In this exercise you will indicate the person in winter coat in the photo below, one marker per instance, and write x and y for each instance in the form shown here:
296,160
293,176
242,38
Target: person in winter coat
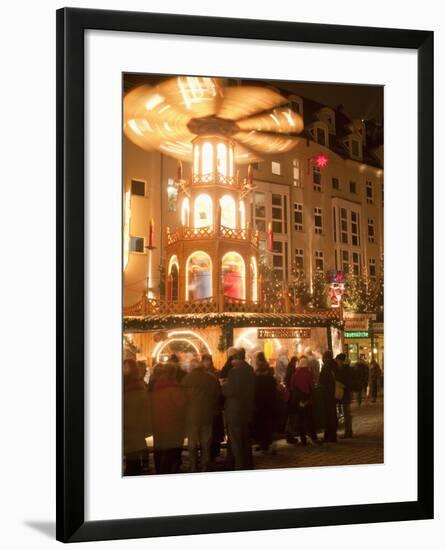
291,412
202,393
264,418
362,376
137,421
302,386
327,383
231,353
375,374
345,374
168,410
239,393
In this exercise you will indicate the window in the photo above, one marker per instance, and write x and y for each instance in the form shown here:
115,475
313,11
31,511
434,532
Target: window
254,278
198,283
318,220
299,259
344,225
356,263
345,261
355,148
278,213
276,168
352,187
242,214
316,178
185,212
372,269
138,188
296,174
203,211
371,230
298,216
228,211
196,159
173,280
334,222
295,106
321,136
207,159
278,259
233,276
172,195
221,159
319,260
369,192
335,183
355,238
137,244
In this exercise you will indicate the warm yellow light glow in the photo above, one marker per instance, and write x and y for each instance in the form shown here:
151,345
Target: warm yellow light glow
228,211
242,214
196,159
221,152
173,261
185,211
127,217
254,278
203,211
244,336
233,273
198,276
231,161
191,333
153,102
207,158
158,350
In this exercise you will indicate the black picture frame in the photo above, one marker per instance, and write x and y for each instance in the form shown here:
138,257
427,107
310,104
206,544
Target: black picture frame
71,24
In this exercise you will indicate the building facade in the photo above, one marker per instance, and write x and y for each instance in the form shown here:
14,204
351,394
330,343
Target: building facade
318,207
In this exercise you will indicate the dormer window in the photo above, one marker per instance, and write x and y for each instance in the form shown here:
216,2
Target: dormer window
354,144
296,104
355,148
321,136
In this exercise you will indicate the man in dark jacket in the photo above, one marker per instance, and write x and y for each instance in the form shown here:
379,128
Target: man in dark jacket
239,393
344,374
327,383
202,393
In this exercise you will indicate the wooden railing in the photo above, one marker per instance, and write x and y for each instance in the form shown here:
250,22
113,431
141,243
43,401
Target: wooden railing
210,232
149,306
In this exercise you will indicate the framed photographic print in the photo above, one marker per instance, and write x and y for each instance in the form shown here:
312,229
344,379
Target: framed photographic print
245,251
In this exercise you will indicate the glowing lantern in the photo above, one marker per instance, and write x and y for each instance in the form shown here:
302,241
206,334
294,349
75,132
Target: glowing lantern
269,237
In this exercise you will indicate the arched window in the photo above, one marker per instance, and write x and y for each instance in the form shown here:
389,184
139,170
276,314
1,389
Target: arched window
207,158
221,152
228,211
233,274
198,283
231,161
173,279
254,278
203,211
242,214
196,159
185,212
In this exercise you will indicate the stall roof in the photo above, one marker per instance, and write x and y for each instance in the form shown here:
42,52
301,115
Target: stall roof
151,323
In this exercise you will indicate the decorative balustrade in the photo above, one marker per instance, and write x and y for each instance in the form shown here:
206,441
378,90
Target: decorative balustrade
210,232
218,178
149,306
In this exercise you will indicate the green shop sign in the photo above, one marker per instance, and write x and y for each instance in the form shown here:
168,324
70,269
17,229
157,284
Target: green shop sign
357,334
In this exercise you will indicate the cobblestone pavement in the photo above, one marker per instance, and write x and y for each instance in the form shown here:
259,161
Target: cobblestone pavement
366,447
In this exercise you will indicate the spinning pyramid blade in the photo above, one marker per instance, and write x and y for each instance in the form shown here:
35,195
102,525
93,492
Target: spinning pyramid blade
153,122
266,143
281,120
244,101
194,96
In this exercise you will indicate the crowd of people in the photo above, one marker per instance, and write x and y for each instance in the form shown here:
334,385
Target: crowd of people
242,405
